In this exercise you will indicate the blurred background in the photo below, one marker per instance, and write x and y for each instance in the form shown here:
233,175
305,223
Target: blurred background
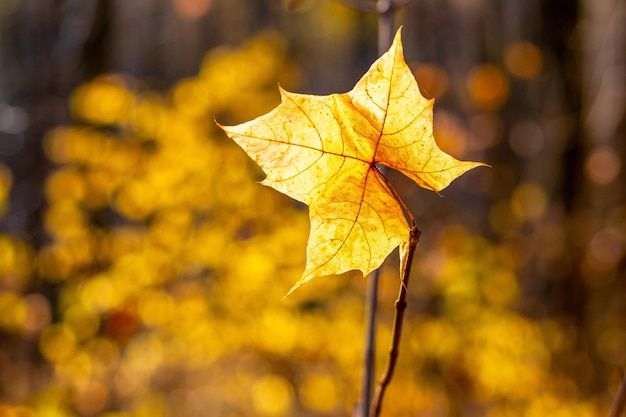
142,268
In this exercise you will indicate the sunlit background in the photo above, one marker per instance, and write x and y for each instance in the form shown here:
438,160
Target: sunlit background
142,268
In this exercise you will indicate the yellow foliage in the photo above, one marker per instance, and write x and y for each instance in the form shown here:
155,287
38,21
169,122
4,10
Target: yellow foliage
104,101
64,219
64,184
272,395
15,263
6,179
84,323
149,117
57,343
14,311
320,393
163,277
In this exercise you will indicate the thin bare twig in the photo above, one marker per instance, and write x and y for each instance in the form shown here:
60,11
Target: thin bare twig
385,34
398,319
362,5
369,354
620,399
374,6
385,10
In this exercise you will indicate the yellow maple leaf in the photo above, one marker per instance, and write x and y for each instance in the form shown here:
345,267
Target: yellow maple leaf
324,151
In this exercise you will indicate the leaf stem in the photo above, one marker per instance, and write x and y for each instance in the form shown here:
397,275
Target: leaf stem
406,260
393,191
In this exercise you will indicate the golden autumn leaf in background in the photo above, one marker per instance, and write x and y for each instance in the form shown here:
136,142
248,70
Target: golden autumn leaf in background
324,151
